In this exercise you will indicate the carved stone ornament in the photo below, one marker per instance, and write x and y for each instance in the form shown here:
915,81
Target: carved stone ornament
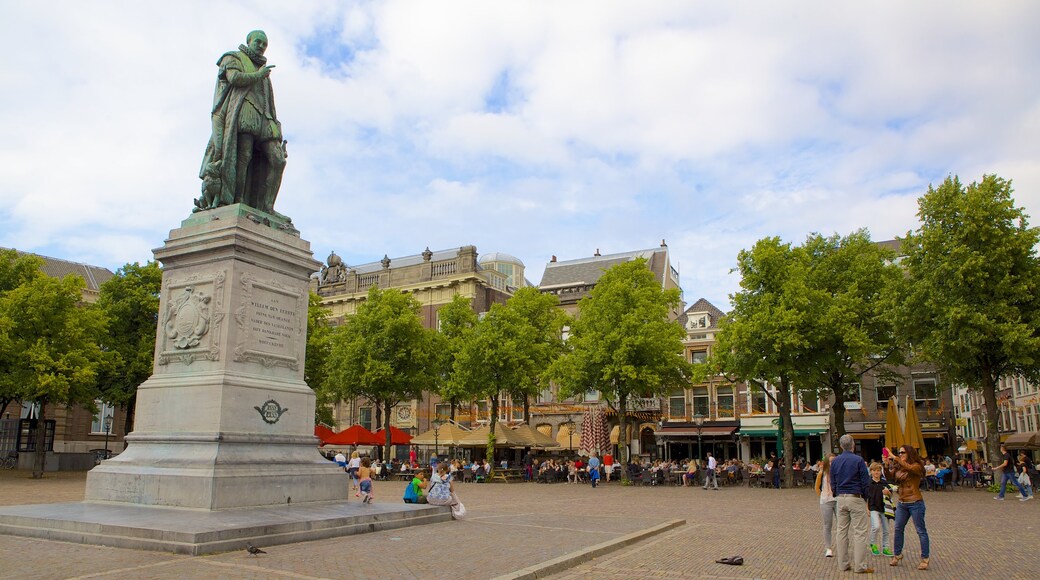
193,317
271,411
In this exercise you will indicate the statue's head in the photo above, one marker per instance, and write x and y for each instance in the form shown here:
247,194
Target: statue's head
257,40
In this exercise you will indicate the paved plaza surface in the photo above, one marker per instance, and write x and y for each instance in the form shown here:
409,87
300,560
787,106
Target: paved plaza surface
517,525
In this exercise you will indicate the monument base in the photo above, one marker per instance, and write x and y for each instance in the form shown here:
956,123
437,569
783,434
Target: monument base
197,532
226,420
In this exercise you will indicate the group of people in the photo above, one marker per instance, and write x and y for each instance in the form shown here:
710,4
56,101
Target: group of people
864,499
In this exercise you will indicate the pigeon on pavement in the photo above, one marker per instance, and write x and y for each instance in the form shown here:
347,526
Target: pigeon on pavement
254,550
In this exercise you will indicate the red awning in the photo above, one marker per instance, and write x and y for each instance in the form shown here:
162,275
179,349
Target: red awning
323,433
397,436
709,431
353,435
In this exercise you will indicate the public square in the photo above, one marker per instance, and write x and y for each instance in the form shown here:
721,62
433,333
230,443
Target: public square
512,526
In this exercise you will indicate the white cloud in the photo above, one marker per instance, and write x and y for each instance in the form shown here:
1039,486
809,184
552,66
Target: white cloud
530,128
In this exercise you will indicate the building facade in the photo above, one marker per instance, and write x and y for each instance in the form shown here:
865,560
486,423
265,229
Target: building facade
432,278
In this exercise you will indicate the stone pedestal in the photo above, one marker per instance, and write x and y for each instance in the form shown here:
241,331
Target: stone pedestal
226,420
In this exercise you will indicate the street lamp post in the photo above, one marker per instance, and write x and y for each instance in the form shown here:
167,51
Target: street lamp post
108,431
436,437
698,420
570,433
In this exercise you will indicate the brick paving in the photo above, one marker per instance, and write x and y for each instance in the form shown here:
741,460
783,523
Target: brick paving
512,526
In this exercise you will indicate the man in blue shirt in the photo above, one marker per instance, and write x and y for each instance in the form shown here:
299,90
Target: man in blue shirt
593,467
850,480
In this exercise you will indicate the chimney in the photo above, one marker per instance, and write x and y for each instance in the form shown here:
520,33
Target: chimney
597,252
553,260
663,245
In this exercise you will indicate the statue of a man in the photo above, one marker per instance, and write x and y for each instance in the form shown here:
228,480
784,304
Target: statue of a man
246,148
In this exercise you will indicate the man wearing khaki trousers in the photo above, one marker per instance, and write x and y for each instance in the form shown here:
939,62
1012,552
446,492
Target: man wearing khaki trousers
850,480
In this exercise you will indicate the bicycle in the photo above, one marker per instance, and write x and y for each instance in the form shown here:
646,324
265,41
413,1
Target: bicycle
11,461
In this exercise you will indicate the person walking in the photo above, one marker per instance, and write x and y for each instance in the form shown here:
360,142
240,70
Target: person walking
1008,473
593,469
352,469
710,475
608,465
907,471
774,467
1025,470
850,481
828,504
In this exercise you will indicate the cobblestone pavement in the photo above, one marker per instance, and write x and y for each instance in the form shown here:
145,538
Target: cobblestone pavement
512,526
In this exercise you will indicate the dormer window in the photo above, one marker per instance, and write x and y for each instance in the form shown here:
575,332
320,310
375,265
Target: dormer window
701,320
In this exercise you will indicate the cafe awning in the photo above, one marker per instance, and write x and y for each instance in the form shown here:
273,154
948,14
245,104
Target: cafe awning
707,431
760,432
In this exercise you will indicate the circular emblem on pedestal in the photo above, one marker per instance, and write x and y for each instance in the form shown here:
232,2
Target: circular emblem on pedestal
271,411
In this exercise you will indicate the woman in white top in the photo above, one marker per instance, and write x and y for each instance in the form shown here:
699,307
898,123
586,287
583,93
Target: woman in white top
828,503
352,469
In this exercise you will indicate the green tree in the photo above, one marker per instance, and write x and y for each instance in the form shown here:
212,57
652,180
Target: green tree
51,352
971,302
457,321
384,354
763,337
130,302
15,270
495,357
545,322
622,343
315,368
850,285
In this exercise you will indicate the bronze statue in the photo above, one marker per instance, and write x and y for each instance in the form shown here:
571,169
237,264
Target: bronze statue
246,153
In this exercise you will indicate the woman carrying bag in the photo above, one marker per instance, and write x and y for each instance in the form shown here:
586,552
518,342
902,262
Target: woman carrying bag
442,492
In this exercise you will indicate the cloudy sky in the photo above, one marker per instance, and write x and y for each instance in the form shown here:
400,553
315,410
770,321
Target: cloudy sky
531,128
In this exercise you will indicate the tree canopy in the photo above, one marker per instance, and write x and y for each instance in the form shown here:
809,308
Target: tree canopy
971,302
622,342
130,302
315,369
49,349
384,353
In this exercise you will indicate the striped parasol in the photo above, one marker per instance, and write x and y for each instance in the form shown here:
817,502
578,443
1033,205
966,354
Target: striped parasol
601,430
588,439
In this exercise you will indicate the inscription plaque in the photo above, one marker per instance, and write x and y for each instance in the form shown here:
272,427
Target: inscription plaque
271,321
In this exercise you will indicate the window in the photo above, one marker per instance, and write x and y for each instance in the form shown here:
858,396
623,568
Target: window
758,400
925,390
677,405
545,396
30,410
700,401
97,425
884,393
504,407
443,412
698,356
853,396
810,402
481,412
724,396
365,417
591,396
518,410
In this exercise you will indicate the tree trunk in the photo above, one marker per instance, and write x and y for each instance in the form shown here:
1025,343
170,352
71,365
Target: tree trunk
386,426
131,407
787,425
989,395
491,434
40,454
527,410
623,448
839,413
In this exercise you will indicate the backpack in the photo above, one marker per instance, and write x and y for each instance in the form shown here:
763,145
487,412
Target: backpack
410,496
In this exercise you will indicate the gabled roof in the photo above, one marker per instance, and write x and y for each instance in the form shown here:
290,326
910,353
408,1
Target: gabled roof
587,271
94,276
702,305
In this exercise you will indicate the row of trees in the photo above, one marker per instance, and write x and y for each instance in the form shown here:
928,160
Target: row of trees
813,319
56,350
621,344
